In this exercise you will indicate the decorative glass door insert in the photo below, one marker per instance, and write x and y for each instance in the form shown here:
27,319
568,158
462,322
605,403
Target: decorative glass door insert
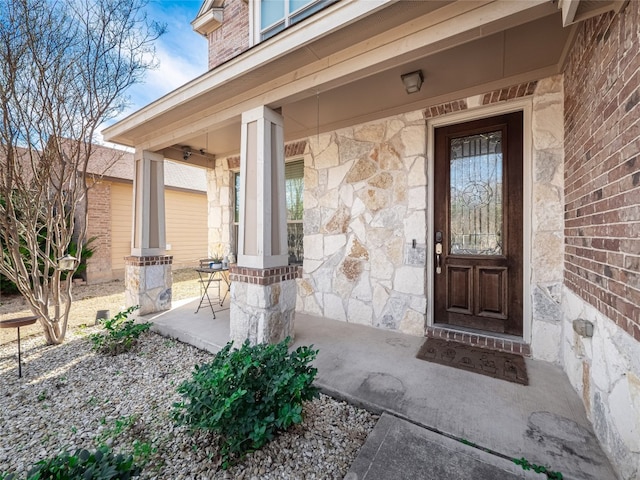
476,194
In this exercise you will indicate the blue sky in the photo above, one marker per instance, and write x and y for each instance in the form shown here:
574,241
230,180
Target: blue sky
181,51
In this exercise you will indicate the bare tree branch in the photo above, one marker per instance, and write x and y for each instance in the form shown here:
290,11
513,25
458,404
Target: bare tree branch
65,66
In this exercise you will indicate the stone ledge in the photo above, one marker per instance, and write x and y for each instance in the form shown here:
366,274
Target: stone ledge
264,276
149,261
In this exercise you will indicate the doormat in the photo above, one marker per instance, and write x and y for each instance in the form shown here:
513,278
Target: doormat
505,366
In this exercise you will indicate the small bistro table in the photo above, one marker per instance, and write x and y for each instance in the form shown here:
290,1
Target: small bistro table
17,323
207,276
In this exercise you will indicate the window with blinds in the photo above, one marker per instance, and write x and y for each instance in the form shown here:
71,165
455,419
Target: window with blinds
294,191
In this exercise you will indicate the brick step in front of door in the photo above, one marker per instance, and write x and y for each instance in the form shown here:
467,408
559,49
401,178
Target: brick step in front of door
479,340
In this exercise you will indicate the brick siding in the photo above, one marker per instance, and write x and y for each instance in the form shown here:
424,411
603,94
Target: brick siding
501,95
444,108
232,37
509,93
482,341
295,148
149,261
99,226
264,276
602,167
292,149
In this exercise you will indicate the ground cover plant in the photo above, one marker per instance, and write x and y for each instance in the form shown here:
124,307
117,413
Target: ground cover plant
72,398
100,464
248,395
120,333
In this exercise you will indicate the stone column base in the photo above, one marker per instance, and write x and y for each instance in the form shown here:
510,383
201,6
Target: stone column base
263,304
148,283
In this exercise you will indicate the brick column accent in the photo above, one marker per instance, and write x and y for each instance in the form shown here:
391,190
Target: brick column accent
148,282
263,303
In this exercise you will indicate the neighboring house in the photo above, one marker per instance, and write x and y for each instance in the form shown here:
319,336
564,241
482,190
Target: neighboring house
110,213
470,171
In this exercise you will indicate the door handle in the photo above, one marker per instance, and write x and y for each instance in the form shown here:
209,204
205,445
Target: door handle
438,252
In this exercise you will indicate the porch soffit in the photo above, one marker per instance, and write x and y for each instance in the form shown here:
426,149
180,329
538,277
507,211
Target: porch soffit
457,44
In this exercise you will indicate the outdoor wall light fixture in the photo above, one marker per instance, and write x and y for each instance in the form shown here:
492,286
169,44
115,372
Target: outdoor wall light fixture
412,81
67,263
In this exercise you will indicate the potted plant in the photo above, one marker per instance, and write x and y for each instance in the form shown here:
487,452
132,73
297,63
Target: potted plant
215,262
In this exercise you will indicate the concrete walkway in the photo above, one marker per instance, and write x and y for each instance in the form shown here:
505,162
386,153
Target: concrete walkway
544,422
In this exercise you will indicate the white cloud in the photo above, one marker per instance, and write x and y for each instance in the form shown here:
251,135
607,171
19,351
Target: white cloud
181,53
173,72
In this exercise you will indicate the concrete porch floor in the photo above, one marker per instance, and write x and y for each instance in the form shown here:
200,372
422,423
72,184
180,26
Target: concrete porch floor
544,422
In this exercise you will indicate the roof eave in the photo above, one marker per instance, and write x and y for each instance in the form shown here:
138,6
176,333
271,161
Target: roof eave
265,52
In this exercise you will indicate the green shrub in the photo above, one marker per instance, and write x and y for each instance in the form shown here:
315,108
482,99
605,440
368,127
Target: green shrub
101,464
247,395
120,335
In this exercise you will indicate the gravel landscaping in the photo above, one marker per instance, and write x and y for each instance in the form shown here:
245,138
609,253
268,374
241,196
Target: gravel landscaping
70,397
88,299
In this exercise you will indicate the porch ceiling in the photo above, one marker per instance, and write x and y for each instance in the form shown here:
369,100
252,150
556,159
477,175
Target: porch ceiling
352,74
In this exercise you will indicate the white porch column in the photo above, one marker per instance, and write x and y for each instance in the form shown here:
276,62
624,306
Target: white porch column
263,222
263,288
148,269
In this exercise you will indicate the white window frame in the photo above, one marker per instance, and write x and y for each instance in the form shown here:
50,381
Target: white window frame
256,33
235,224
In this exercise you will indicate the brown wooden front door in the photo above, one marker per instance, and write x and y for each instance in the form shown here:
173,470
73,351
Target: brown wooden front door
478,224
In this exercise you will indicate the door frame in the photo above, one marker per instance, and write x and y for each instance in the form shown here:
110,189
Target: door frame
526,106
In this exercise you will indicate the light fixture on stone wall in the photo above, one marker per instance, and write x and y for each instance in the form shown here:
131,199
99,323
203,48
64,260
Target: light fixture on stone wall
412,81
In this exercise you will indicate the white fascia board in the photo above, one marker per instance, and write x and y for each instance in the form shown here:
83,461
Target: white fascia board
325,21
573,11
460,22
455,23
569,9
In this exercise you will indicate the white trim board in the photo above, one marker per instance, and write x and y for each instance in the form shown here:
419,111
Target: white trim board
526,106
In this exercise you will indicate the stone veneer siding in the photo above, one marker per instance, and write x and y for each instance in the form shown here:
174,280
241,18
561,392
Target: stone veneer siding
148,283
262,304
546,218
366,200
232,37
220,207
365,203
602,229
